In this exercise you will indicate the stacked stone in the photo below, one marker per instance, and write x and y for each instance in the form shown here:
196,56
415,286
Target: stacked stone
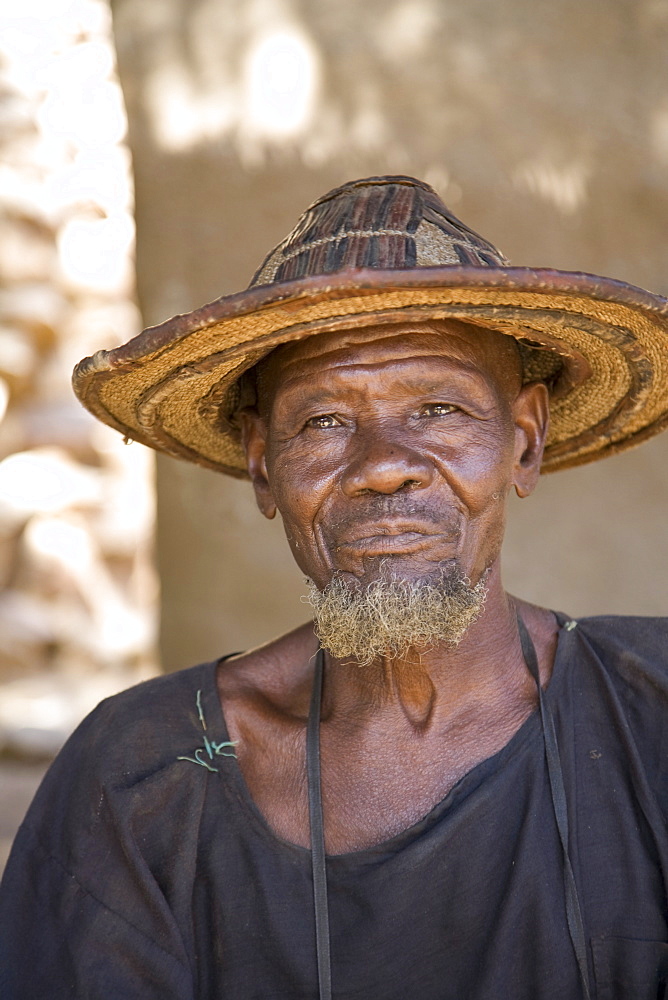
77,587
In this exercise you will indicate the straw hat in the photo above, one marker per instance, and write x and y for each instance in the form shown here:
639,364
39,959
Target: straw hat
387,250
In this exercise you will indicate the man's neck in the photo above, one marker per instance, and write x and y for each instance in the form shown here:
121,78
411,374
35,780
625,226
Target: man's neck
431,687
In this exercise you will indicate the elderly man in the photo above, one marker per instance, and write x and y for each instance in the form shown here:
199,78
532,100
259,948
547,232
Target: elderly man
439,791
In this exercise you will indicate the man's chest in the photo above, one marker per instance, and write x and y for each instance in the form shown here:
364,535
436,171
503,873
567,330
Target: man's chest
467,901
374,786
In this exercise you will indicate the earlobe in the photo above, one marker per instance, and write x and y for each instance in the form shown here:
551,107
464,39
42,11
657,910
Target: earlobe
253,438
531,414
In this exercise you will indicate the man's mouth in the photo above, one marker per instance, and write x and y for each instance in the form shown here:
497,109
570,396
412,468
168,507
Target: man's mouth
391,537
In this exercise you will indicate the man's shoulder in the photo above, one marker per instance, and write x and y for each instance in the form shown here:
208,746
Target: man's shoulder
278,674
146,728
634,647
149,724
134,755
621,681
137,732
641,632
165,700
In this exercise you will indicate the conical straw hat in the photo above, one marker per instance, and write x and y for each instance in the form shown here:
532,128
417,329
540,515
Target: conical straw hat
387,250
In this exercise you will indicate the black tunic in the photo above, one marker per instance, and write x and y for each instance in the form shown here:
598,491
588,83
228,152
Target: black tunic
140,874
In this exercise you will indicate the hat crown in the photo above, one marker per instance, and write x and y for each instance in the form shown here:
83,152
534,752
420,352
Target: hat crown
379,222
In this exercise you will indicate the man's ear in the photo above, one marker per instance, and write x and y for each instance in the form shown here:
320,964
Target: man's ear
531,414
253,439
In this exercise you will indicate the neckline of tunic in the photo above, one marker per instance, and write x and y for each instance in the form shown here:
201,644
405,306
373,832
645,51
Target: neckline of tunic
529,731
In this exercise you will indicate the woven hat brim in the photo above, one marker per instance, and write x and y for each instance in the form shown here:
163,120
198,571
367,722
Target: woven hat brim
166,387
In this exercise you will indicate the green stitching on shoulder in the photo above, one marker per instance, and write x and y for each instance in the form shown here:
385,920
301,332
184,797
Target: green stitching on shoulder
211,749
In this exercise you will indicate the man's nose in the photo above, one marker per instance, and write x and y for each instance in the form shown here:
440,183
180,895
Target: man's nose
386,466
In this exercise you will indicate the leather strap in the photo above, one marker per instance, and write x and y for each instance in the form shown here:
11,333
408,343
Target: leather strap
558,791
318,862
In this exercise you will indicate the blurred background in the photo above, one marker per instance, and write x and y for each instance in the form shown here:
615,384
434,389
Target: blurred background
153,151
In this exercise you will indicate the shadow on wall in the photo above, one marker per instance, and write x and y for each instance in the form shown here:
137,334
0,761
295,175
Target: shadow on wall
518,114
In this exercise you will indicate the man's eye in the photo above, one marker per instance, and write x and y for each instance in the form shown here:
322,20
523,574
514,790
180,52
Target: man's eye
323,421
438,409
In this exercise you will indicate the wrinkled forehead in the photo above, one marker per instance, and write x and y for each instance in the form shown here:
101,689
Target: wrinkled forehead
494,354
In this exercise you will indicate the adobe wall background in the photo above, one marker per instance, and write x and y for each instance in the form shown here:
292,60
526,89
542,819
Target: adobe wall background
543,126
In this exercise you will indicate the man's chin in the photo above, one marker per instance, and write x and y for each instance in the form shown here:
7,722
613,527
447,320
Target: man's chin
416,562
404,567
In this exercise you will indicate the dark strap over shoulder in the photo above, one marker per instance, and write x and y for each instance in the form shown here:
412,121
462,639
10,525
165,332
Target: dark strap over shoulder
318,834
556,778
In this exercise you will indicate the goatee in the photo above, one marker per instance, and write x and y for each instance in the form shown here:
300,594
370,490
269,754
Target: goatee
389,616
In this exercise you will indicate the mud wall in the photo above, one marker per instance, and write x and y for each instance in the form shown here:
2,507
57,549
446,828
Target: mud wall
543,126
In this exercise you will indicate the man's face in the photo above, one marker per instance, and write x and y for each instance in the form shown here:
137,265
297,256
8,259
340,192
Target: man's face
394,447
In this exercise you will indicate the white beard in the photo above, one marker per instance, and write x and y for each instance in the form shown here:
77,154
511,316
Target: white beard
389,616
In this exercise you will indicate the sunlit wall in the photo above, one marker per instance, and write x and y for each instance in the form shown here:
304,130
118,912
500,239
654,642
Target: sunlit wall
543,126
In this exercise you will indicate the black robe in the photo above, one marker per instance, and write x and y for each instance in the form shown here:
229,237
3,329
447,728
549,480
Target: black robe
144,869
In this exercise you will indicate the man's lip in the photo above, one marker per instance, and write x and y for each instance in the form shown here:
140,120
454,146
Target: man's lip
391,537
386,529
404,541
